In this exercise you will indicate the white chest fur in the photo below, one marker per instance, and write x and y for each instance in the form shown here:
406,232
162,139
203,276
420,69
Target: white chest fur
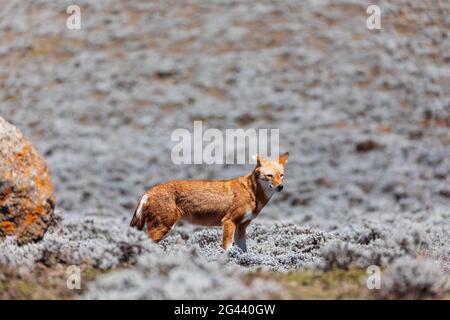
268,193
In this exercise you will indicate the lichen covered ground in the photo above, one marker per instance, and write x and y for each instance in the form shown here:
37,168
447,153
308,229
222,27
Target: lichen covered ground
364,114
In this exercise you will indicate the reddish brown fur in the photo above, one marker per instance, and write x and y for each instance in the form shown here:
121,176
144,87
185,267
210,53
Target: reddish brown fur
230,203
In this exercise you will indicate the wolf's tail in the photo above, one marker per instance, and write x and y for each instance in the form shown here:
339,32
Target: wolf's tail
138,220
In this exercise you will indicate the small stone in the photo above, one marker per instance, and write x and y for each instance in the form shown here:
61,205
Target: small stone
367,145
445,193
27,200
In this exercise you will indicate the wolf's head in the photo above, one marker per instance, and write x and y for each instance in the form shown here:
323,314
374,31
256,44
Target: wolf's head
271,172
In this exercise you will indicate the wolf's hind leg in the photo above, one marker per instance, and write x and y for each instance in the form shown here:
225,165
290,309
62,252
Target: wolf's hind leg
159,232
159,227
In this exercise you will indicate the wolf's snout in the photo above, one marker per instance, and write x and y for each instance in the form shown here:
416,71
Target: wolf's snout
280,187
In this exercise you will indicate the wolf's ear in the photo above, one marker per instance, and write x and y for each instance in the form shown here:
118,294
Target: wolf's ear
283,158
259,159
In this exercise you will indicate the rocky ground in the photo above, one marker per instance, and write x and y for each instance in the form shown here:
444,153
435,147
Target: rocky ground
365,116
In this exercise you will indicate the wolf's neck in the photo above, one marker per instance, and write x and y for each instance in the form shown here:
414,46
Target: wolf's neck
261,190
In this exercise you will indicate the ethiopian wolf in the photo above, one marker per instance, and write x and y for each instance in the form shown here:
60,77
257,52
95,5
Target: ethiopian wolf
232,203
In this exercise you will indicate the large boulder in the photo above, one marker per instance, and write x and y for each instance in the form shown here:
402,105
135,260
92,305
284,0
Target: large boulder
27,200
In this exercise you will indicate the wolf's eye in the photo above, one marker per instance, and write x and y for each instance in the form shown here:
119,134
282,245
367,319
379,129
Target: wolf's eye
281,175
270,176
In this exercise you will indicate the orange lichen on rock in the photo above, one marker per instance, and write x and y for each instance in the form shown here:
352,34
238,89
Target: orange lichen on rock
8,227
27,200
30,219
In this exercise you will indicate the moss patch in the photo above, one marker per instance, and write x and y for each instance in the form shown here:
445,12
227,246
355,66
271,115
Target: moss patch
43,283
333,284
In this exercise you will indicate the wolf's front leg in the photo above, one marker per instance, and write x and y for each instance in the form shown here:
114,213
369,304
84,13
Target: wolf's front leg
229,227
240,237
